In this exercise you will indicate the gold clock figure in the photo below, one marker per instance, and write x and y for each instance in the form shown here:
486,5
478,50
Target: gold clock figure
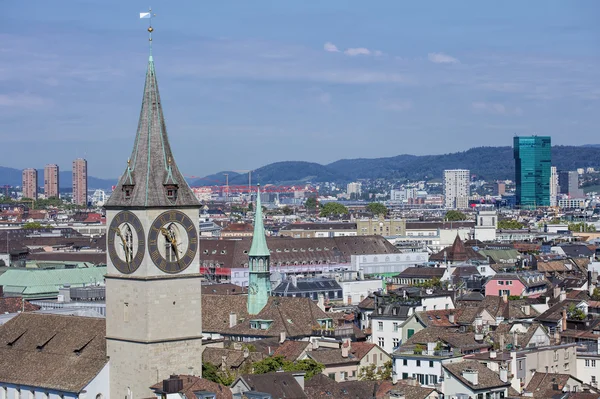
173,241
126,242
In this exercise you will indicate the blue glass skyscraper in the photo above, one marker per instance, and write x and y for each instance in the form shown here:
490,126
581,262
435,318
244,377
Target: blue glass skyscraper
532,170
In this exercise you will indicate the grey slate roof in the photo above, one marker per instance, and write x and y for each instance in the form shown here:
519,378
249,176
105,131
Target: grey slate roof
151,164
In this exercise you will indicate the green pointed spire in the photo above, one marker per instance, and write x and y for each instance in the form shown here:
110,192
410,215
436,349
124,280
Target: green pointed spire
259,241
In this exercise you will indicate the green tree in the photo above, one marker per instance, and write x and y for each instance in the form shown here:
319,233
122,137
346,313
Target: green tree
596,294
311,203
212,373
269,364
453,216
509,225
377,208
276,363
287,210
51,202
309,366
368,373
582,227
574,313
385,372
333,209
33,226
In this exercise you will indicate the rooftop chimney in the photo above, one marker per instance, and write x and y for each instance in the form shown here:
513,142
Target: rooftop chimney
282,337
345,348
451,318
321,302
503,374
173,384
394,377
493,354
232,319
526,310
590,282
471,375
564,320
563,296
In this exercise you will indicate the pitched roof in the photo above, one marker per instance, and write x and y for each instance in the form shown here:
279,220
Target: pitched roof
216,310
542,385
320,226
329,357
367,303
292,350
486,377
554,313
234,253
151,165
422,272
462,341
15,304
230,358
278,384
192,383
457,252
51,351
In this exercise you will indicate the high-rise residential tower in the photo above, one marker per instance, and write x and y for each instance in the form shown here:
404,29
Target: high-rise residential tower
30,183
456,188
553,186
80,182
568,183
51,181
532,170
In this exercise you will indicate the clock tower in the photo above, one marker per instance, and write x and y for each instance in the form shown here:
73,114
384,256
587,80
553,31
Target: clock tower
153,302
259,284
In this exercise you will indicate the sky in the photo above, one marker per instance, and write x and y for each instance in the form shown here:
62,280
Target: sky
246,83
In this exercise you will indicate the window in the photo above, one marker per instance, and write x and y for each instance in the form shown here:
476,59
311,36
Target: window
395,342
331,375
593,363
418,363
500,282
566,354
410,332
380,326
432,379
431,363
395,327
381,341
520,365
343,375
566,366
587,362
593,379
405,376
555,356
405,362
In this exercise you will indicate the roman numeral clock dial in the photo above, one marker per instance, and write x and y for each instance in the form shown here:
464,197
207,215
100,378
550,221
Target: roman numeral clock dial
126,242
172,241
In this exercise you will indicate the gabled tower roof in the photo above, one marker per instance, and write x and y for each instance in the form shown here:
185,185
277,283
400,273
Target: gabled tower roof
259,242
151,169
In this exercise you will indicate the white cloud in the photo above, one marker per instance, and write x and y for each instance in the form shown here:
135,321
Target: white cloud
357,51
20,100
441,58
495,108
401,105
332,48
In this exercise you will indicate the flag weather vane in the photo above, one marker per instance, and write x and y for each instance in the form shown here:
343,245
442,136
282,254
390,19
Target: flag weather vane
149,15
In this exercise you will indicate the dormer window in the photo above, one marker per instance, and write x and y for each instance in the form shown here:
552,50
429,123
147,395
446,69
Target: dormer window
127,190
171,190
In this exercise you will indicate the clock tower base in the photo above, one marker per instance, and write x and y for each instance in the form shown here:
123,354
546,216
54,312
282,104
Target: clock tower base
153,330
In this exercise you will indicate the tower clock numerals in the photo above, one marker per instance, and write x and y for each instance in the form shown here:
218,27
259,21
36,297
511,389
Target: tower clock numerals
126,243
173,241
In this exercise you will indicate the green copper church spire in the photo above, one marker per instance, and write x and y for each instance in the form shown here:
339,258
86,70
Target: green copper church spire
259,260
259,241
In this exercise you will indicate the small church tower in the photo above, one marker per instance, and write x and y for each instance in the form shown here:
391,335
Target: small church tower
259,287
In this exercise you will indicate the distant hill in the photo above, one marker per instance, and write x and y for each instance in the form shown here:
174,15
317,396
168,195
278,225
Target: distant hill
489,163
14,177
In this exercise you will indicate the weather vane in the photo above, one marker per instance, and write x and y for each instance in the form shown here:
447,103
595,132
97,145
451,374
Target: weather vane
149,15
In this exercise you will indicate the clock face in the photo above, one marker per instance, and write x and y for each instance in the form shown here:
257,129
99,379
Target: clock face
126,242
173,241
253,288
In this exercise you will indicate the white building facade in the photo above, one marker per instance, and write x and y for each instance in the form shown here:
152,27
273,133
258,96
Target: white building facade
456,188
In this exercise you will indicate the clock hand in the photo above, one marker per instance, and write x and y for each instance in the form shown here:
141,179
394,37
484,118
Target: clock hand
125,248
